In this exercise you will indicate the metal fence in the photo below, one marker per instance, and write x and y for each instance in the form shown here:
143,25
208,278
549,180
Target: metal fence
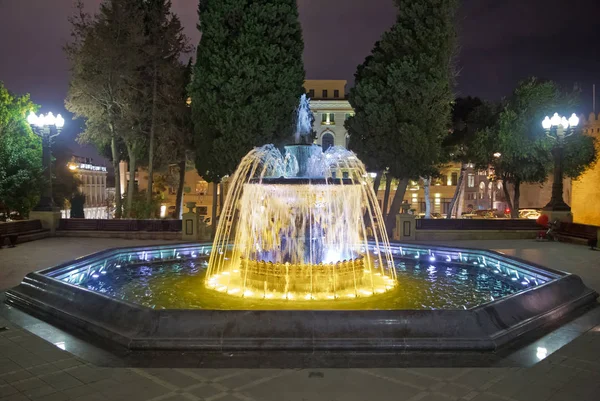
119,225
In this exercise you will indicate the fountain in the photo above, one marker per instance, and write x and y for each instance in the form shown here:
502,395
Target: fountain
292,267
293,228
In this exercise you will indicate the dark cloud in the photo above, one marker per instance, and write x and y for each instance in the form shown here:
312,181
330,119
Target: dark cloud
501,42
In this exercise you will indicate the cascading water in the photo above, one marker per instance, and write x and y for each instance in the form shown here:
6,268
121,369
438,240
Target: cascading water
293,227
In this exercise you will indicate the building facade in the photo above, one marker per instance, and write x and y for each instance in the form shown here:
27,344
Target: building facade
331,108
93,186
585,203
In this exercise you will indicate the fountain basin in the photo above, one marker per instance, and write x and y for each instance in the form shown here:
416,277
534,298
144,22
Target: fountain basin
64,296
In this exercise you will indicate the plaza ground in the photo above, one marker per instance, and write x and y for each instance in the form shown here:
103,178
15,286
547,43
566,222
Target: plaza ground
40,362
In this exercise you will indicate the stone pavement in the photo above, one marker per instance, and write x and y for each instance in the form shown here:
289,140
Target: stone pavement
34,369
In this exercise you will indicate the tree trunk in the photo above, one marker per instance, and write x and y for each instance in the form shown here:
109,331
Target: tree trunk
463,169
386,196
180,186
427,190
390,220
213,218
151,144
506,193
116,162
514,211
131,186
377,182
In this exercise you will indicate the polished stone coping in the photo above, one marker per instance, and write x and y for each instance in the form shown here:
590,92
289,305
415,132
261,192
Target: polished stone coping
485,327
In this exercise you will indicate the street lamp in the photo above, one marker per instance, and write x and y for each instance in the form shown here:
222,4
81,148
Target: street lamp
47,127
558,128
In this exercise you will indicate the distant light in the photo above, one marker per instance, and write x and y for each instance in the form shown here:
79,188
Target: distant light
373,175
574,120
72,167
432,258
163,211
498,154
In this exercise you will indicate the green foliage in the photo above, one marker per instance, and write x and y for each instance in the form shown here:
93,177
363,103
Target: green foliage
579,154
403,91
247,82
140,207
77,206
21,169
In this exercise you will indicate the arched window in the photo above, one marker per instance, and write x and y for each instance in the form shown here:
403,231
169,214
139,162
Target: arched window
327,141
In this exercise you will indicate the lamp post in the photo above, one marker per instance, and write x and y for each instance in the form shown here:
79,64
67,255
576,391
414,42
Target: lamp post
47,127
558,128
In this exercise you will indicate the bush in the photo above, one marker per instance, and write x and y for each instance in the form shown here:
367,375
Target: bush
77,204
140,208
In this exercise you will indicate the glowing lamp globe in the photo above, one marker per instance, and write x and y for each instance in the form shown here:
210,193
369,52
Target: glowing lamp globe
32,118
60,122
574,120
547,124
555,120
564,122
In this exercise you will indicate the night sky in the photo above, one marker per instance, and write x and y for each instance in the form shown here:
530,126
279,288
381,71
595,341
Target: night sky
501,42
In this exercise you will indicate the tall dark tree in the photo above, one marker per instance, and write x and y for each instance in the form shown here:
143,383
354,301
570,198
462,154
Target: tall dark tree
247,82
106,60
403,94
164,44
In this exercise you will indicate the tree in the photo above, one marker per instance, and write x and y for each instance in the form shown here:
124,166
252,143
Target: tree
519,137
21,169
403,95
247,81
106,60
165,43
470,116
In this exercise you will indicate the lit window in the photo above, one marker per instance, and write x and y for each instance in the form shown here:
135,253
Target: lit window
328,119
471,181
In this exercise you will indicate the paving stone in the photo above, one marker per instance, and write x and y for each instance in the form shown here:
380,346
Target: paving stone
7,390
67,363
406,376
61,381
173,377
58,396
248,377
206,391
29,384
16,376
452,390
38,392
8,366
16,397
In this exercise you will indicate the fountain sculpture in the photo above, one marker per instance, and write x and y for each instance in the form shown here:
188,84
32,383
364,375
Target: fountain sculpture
294,225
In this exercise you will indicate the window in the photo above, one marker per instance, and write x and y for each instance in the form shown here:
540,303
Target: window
311,93
324,93
454,179
328,119
327,141
202,210
444,179
471,181
336,93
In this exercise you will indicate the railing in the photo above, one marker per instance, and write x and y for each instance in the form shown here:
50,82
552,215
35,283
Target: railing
119,225
476,224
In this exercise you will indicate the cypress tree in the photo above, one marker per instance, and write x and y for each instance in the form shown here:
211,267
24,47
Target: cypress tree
403,95
247,81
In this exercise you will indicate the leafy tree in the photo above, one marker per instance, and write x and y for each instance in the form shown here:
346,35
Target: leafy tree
526,152
247,81
403,95
470,116
21,169
106,84
77,206
164,44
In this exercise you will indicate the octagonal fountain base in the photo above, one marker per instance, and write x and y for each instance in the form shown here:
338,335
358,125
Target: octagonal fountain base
49,295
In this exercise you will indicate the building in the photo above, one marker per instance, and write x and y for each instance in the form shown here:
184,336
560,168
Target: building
331,109
93,186
585,198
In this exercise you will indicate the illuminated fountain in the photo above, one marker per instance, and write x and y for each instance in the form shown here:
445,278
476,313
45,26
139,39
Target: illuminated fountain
293,226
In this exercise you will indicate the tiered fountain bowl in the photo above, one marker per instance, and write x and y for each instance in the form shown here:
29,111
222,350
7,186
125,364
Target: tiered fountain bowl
293,267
